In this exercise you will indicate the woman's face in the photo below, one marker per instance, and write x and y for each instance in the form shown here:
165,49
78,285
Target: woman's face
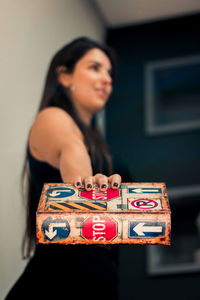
92,81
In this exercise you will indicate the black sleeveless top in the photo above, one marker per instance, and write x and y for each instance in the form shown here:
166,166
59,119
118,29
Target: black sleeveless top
42,172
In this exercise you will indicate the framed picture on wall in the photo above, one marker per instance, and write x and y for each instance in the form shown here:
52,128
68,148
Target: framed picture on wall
172,95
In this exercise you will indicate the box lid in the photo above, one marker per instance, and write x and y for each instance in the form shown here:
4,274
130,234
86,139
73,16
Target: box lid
130,197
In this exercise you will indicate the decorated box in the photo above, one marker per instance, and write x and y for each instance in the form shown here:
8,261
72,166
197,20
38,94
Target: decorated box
136,213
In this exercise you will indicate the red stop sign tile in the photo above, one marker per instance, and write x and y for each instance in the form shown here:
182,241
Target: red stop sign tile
99,228
97,195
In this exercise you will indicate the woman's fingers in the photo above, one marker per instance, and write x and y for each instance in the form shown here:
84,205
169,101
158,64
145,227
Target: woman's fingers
88,181
78,182
100,179
115,181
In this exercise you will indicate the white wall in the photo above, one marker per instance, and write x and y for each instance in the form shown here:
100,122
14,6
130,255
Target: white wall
30,33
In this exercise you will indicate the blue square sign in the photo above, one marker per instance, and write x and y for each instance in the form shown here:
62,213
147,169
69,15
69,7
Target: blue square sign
146,229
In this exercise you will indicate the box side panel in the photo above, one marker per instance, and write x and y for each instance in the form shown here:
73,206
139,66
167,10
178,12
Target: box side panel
103,228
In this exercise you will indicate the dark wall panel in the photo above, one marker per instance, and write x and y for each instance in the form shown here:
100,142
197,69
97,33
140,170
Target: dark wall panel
173,158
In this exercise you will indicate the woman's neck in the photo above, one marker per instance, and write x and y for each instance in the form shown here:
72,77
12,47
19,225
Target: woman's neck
85,116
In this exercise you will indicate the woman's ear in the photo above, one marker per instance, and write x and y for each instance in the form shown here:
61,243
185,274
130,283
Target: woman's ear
64,78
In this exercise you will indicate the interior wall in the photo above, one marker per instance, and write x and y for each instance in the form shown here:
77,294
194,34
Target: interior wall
30,33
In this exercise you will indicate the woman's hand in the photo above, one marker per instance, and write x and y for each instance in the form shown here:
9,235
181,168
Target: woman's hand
100,179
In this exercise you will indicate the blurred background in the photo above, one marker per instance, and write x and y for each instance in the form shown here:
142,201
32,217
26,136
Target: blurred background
152,121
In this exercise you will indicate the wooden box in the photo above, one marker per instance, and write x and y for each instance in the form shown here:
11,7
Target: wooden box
136,213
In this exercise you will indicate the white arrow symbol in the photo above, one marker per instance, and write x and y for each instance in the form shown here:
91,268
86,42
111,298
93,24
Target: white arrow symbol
140,228
145,190
52,233
54,194
57,192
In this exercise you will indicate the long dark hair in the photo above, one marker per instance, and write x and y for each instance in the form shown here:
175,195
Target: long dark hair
54,94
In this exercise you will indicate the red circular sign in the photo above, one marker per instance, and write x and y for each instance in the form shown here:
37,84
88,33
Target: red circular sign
144,203
99,228
97,195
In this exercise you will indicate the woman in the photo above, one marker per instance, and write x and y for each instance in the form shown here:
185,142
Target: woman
64,146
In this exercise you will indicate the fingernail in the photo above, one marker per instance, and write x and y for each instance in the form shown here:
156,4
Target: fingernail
89,186
115,184
78,183
103,186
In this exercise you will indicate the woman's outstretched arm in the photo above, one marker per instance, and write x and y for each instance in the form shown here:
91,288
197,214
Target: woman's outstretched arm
56,139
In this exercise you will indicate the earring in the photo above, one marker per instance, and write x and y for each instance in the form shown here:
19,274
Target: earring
72,88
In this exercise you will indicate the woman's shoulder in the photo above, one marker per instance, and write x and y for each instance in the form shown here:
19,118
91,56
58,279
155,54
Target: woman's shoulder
51,129
54,113
55,116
